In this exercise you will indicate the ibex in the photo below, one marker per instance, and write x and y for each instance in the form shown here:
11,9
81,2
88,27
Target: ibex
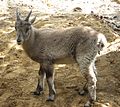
54,46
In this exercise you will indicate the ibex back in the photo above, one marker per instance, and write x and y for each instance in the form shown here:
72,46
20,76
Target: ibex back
50,46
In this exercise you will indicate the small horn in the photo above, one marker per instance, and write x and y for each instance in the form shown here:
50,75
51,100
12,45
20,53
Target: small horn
17,14
27,18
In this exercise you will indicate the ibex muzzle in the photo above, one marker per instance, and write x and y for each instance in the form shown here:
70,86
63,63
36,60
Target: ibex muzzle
51,46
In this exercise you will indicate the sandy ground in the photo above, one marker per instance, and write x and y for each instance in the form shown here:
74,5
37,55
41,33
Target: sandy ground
18,73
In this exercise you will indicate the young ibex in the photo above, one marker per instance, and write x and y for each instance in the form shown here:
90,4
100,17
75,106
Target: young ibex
50,46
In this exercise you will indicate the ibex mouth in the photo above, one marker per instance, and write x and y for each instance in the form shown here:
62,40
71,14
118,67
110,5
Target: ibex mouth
19,43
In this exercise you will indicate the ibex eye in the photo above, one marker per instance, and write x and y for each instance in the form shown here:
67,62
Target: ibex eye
15,28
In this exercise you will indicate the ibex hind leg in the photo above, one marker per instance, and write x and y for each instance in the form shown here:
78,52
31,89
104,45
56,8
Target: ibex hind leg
41,79
91,78
84,91
87,69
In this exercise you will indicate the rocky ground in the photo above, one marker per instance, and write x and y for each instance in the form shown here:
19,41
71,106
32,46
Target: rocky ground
18,73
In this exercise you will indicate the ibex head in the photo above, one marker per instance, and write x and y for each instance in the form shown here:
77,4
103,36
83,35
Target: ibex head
23,27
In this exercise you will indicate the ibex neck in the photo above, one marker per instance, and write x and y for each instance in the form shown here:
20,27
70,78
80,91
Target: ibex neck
28,44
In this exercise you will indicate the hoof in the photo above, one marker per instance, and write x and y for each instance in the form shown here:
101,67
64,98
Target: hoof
51,98
83,92
37,93
88,104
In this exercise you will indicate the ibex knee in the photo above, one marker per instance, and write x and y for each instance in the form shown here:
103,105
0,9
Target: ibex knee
47,69
92,80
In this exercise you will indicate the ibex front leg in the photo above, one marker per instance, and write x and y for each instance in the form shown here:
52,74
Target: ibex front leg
41,79
50,81
46,70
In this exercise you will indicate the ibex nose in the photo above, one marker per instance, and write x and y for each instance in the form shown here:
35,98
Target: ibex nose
18,41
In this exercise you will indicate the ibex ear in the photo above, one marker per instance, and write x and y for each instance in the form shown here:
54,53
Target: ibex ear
33,20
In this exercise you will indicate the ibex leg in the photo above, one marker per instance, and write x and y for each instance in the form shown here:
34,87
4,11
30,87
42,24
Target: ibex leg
86,63
50,81
41,79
